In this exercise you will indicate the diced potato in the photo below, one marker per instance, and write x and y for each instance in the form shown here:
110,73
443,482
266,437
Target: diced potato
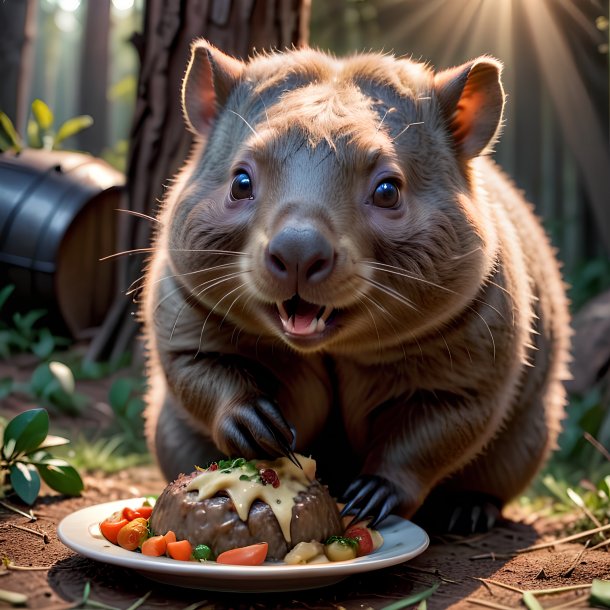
339,551
304,552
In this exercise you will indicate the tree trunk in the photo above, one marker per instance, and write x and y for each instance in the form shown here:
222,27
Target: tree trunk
159,140
17,25
93,82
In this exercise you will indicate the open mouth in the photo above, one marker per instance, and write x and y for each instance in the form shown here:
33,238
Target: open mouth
300,317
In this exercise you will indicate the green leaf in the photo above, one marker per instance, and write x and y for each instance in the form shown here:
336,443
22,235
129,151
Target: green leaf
33,134
6,386
64,375
119,394
42,114
60,476
600,592
71,127
5,293
45,345
53,441
43,381
9,131
27,430
25,323
25,481
412,599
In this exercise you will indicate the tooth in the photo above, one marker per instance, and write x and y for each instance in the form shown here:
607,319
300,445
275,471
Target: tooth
282,310
320,325
326,314
312,326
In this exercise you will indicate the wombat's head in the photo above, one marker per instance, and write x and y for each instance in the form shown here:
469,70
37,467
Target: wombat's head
333,204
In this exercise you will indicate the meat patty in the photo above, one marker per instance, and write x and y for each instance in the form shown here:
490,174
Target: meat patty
215,522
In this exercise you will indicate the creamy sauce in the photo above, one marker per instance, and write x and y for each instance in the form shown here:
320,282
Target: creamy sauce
244,492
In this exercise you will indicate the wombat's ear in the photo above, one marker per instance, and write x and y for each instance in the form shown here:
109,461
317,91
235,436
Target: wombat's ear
471,99
210,76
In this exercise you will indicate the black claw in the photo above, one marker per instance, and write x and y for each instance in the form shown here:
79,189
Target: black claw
269,412
370,496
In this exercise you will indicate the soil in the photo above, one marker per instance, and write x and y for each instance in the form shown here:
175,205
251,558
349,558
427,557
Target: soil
59,575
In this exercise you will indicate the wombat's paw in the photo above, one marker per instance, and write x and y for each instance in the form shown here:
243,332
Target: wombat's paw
256,429
462,514
370,496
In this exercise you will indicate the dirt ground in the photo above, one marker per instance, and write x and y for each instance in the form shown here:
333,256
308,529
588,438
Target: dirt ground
59,576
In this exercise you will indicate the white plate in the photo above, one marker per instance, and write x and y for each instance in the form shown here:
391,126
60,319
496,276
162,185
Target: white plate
402,541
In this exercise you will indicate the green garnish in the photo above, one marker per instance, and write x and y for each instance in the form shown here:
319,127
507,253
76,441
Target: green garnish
343,540
202,552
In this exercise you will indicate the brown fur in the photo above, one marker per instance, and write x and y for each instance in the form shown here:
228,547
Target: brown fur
445,365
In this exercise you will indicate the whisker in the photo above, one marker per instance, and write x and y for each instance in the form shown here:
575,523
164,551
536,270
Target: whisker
211,312
167,277
383,118
193,297
390,292
138,214
363,304
448,350
154,249
389,322
405,129
231,305
246,122
402,273
125,252
385,268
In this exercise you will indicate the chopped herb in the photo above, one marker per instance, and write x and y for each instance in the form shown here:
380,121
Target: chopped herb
343,540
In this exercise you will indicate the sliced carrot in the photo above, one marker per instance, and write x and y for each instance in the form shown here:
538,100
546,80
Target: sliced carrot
154,547
133,534
170,537
111,526
252,555
180,550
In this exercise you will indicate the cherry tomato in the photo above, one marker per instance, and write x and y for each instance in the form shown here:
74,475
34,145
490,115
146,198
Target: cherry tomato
134,513
111,526
252,555
364,538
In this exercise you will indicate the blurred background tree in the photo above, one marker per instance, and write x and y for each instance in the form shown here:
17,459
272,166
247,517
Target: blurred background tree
122,62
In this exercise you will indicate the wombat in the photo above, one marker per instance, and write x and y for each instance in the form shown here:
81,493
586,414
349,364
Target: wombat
339,269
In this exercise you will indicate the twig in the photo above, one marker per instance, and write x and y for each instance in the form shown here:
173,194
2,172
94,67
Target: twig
546,545
8,506
11,566
577,601
488,604
600,545
433,572
597,445
139,602
43,535
573,565
499,584
13,598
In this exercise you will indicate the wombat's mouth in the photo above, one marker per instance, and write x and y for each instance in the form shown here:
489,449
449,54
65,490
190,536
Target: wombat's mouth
300,317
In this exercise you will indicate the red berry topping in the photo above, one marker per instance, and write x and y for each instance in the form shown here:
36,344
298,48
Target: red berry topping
269,477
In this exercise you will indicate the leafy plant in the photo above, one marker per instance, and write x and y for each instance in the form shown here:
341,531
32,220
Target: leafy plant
41,132
125,398
23,334
24,459
53,383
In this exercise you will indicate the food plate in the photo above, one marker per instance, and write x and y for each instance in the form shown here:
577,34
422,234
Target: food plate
79,531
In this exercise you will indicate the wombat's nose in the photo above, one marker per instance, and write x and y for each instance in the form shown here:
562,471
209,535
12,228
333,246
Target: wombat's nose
300,255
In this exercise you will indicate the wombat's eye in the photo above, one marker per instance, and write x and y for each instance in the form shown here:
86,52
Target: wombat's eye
386,194
241,187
